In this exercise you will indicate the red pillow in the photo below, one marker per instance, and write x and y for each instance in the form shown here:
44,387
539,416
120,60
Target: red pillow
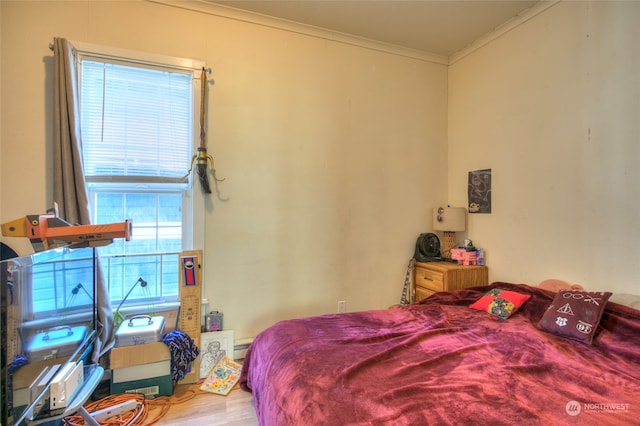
501,303
575,314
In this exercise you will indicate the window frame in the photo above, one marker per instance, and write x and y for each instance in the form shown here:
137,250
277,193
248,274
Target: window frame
192,205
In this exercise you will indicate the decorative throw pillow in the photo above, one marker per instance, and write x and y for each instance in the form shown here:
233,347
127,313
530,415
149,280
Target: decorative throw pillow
575,314
501,303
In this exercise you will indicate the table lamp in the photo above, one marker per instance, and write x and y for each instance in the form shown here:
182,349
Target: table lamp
449,220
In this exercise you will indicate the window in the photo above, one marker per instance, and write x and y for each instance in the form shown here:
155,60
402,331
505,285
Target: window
138,135
53,285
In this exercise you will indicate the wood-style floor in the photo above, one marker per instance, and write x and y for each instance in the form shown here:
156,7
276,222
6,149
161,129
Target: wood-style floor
207,409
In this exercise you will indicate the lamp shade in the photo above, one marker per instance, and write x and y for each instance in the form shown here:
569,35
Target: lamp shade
449,219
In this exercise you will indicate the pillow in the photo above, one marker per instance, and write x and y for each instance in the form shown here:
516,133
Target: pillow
501,303
555,285
575,314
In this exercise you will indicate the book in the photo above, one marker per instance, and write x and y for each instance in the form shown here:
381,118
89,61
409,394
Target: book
222,377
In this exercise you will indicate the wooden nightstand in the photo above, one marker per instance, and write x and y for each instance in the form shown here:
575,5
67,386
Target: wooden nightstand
431,277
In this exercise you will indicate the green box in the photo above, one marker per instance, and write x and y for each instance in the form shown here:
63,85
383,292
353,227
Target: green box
150,387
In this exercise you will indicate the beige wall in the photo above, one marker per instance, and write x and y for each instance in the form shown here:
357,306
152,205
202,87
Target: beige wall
333,154
0,109
553,108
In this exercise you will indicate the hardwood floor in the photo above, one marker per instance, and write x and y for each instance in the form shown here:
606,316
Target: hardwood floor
207,409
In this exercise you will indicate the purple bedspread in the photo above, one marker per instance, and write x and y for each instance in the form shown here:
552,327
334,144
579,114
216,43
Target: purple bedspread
441,363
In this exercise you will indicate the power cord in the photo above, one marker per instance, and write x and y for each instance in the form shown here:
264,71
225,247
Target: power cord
138,416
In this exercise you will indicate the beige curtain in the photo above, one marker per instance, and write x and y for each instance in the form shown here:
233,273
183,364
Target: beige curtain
69,187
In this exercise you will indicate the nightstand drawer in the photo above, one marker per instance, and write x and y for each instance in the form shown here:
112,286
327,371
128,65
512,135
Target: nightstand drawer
431,277
432,280
423,293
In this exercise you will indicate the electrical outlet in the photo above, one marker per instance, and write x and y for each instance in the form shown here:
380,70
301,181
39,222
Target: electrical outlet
342,306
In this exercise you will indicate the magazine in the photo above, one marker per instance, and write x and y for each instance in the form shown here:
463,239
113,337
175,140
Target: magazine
223,376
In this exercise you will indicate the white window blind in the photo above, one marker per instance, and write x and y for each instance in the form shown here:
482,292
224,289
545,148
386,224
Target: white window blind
136,123
138,135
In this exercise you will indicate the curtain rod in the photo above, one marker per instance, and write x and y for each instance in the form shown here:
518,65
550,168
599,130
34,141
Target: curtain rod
207,70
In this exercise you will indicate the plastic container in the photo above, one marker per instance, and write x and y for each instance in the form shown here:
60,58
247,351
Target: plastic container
139,330
480,257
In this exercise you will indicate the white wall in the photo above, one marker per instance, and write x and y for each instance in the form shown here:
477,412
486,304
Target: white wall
553,108
333,154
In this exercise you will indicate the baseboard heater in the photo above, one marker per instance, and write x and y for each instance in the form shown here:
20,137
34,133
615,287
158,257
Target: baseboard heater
240,348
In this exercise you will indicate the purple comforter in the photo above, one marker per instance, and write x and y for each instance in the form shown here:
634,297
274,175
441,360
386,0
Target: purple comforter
440,362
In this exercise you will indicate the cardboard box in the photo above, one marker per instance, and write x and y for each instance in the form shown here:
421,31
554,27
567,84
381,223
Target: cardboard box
147,353
139,372
150,387
142,369
26,374
21,398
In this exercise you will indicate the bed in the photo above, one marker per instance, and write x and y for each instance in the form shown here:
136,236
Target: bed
441,362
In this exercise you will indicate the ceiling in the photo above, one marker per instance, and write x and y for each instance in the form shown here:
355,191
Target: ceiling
440,27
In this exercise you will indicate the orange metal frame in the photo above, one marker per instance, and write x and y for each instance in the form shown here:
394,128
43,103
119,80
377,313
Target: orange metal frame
48,230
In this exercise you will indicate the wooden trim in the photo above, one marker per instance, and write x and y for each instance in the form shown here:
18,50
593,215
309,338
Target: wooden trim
298,28
518,20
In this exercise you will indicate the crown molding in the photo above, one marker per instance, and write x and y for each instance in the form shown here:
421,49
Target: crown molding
516,21
203,6
211,8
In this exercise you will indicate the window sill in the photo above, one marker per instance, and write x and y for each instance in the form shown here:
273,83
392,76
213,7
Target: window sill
84,317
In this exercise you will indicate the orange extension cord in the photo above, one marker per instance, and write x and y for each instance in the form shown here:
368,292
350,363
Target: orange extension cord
138,416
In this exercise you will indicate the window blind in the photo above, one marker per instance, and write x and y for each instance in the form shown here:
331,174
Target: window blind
136,123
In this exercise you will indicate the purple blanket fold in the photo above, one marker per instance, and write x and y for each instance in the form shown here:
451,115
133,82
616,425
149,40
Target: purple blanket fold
441,362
